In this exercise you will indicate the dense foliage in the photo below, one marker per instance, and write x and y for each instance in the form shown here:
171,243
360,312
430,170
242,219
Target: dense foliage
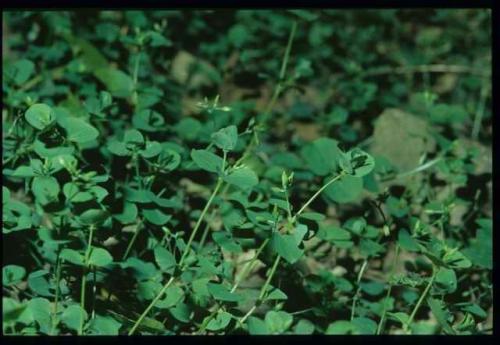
254,172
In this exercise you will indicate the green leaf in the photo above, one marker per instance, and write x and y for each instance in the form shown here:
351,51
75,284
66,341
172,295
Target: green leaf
78,130
222,293
335,235
340,327
72,256
72,316
256,326
357,162
104,325
12,311
152,149
286,246
446,280
117,82
164,259
181,312
276,294
440,314
100,257
406,241
94,217
129,213
347,189
12,274
46,189
243,178
456,259
226,241
40,310
226,138
40,116
480,251
5,195
38,283
278,322
304,327
155,216
20,71
220,321
322,156
134,137
173,296
364,325
206,160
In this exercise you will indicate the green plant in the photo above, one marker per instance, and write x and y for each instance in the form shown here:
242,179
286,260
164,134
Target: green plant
331,181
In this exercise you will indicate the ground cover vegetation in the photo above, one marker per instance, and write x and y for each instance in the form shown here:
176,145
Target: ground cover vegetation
247,172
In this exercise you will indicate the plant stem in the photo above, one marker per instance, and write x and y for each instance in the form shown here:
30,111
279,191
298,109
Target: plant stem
318,192
420,300
143,315
276,94
480,111
84,279
200,220
262,291
249,266
356,295
56,302
132,241
389,290
242,276
284,63
183,257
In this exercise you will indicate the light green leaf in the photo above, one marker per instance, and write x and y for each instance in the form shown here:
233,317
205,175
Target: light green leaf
220,321
206,160
286,246
164,259
78,130
226,138
117,82
256,326
156,216
72,256
322,156
278,322
347,189
222,293
440,314
40,116
243,178
100,257
12,274
72,316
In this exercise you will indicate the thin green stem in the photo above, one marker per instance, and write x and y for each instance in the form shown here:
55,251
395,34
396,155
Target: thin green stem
155,300
84,279
132,241
248,267
358,290
420,300
200,220
183,257
276,94
56,301
263,291
318,192
478,118
243,275
388,295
